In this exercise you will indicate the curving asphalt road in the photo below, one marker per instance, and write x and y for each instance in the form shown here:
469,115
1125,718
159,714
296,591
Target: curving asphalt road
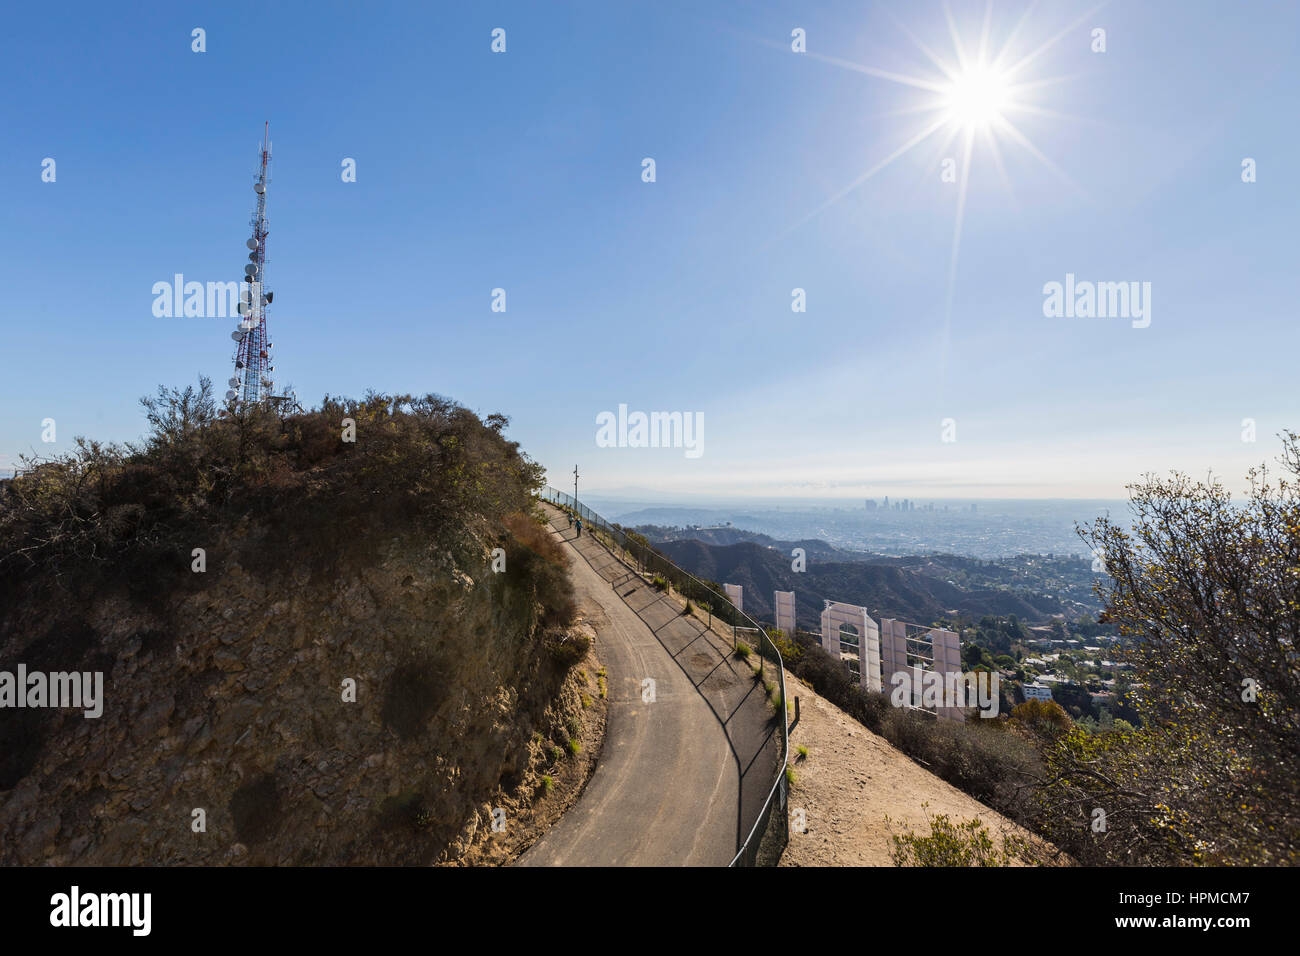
666,789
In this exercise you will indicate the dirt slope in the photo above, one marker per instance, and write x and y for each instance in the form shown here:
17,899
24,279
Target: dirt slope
851,780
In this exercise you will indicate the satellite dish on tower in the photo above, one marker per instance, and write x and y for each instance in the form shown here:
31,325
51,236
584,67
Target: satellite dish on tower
251,243
233,382
250,270
269,296
259,188
237,335
230,394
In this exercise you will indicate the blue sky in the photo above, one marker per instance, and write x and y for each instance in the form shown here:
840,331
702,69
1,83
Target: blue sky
523,171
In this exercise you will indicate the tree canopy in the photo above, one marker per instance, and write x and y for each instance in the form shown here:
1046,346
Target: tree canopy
1206,592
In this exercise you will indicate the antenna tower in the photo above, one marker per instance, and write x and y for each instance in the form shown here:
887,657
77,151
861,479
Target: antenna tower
252,379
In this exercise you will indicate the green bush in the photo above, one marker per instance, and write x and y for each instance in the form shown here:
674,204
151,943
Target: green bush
568,648
790,650
967,843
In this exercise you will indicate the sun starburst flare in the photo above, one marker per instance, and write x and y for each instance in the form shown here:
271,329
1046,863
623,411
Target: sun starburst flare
970,99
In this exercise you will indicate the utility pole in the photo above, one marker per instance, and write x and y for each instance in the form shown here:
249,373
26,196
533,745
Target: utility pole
575,486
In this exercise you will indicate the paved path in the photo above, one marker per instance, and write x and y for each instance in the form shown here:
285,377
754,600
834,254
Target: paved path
666,790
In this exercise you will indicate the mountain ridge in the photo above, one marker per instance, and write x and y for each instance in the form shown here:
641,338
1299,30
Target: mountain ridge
904,588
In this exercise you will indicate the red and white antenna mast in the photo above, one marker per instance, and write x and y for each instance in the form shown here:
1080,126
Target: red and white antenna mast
252,379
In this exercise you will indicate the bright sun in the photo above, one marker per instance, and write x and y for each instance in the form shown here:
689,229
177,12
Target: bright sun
976,97
980,95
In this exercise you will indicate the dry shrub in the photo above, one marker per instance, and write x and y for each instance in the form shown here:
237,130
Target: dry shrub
128,516
533,555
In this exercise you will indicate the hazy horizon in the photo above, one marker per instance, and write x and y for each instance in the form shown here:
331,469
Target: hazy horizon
997,528
650,497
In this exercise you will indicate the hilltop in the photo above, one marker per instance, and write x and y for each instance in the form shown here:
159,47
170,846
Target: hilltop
312,651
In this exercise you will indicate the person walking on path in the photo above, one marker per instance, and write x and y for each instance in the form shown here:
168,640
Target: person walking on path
579,534
570,519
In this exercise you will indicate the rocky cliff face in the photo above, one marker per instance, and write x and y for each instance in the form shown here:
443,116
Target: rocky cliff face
231,699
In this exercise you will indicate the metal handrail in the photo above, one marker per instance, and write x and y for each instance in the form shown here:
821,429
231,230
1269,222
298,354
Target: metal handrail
649,559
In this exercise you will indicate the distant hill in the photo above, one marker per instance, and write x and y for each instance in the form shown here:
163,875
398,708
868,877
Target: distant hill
919,589
726,534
